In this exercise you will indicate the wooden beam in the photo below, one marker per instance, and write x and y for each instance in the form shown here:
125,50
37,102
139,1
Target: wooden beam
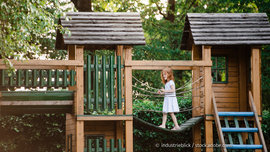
128,82
36,103
103,118
242,55
206,56
129,136
42,64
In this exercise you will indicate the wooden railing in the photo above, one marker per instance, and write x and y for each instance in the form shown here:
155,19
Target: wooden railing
218,124
257,121
105,90
97,145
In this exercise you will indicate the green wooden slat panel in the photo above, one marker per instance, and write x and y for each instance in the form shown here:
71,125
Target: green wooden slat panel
36,95
26,78
11,80
88,80
64,76
19,78
249,134
89,145
119,145
111,145
119,94
104,100
111,84
41,78
96,83
228,126
49,78
3,78
97,145
34,78
238,134
104,145
57,84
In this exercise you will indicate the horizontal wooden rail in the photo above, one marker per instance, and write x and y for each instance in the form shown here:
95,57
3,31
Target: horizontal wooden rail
104,117
42,64
160,64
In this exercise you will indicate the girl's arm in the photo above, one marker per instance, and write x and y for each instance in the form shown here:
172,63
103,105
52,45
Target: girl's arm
169,91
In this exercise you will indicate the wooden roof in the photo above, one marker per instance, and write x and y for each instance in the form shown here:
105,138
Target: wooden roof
225,29
101,30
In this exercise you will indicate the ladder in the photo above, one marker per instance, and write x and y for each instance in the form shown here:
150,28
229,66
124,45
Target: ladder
237,130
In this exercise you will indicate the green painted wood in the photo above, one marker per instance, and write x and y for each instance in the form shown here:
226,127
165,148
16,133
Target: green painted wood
36,95
111,83
228,126
89,145
97,145
119,148
19,77
88,80
34,78
111,145
119,94
41,78
65,82
104,145
104,101
26,79
57,83
49,78
96,105
238,134
249,134
11,79
72,78
3,78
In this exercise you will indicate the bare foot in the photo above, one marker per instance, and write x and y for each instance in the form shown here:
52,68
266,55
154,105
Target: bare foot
161,126
175,128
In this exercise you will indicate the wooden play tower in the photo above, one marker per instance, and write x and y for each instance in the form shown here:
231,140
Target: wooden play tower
96,92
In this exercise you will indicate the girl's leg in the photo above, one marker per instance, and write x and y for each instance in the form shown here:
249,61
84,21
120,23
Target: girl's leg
164,119
176,126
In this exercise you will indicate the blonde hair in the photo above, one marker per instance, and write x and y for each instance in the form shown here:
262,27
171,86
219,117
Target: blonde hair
170,76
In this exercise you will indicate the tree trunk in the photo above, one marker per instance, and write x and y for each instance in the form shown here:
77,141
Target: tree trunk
171,11
83,5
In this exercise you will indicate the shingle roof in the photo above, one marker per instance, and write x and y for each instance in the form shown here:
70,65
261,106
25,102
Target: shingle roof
226,29
101,29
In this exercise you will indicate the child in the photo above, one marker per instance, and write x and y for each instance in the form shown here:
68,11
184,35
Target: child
170,104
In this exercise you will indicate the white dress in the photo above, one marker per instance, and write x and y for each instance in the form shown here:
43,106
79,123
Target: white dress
170,103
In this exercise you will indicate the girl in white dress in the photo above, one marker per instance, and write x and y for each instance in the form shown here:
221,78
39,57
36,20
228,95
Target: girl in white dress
170,104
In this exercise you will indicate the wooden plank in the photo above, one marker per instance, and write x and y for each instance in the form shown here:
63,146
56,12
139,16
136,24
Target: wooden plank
123,34
229,26
104,13
253,42
225,90
103,29
102,18
237,38
128,81
104,37
102,21
221,15
230,34
103,118
42,64
209,135
96,42
242,55
228,23
129,136
227,95
218,125
104,25
36,103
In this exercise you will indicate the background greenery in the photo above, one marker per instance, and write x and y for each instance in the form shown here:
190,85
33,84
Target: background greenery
28,31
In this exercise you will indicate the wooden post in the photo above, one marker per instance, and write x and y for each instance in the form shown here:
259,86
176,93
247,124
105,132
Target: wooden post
256,83
128,100
242,56
196,99
206,56
119,52
76,53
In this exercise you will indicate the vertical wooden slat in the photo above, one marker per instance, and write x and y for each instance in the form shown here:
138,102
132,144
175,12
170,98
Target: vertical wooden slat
128,82
228,126
49,80
104,99
88,80
96,105
238,134
104,145
97,145
41,78
11,79
64,78
129,136
19,78
112,145
34,78
111,84
70,143
249,134
119,145
89,148
72,77
67,141
119,94
57,84
26,78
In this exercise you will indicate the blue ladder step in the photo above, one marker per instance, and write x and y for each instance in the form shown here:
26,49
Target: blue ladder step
244,146
239,129
236,114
